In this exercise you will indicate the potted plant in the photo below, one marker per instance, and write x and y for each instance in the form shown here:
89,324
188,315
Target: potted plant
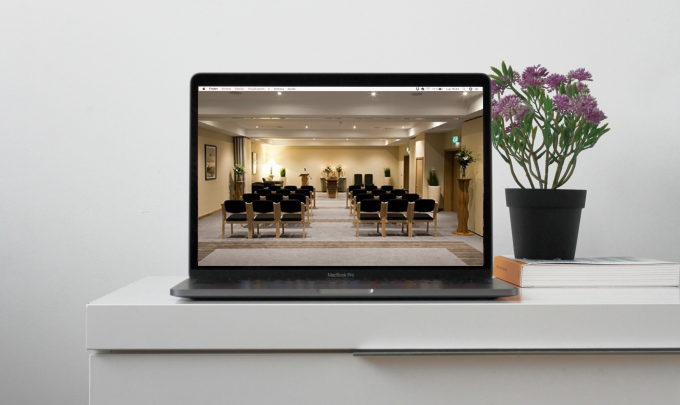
464,158
388,173
239,175
282,173
433,188
541,123
328,171
339,170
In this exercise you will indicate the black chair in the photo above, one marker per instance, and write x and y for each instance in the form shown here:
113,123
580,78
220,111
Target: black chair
284,192
274,187
237,214
250,197
256,186
303,199
371,187
351,192
398,191
274,197
261,212
424,211
369,211
387,197
397,212
387,188
368,179
311,190
358,180
410,197
291,212
309,194
378,192
263,192
291,188
357,198
352,201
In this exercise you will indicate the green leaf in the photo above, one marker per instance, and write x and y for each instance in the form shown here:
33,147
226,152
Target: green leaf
505,69
498,72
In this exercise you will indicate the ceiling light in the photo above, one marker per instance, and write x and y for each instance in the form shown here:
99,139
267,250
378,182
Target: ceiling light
278,94
397,140
256,126
373,93
465,93
347,139
355,127
306,127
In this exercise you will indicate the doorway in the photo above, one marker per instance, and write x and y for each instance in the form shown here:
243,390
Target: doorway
419,176
407,163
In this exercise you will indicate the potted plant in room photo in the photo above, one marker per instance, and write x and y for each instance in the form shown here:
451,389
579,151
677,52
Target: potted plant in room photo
328,171
282,173
541,123
433,188
388,174
338,169
464,157
239,175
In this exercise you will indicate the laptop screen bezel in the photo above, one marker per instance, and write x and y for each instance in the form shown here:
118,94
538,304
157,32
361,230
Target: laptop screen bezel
471,273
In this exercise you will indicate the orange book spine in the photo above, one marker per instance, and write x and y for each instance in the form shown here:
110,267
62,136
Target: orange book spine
509,270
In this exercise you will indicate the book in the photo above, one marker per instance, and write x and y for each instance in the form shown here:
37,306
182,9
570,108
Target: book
587,272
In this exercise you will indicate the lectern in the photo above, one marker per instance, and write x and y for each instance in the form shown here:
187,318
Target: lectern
332,184
305,179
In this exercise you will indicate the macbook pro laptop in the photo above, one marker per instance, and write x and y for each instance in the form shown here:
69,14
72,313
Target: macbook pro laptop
340,186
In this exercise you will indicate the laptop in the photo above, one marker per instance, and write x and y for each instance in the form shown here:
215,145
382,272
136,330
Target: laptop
340,187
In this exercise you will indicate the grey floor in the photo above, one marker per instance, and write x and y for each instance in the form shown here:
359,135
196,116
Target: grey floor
331,222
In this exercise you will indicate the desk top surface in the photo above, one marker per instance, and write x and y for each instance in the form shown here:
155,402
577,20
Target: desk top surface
144,316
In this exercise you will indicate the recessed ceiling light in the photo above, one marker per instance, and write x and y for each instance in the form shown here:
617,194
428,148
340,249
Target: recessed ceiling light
355,127
306,127
373,93
256,126
465,93
347,139
397,140
278,93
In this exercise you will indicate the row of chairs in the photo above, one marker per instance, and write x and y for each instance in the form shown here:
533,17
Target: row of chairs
399,211
360,195
358,181
352,191
263,212
303,196
260,189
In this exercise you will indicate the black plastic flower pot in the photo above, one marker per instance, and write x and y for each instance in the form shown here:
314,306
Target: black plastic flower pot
545,222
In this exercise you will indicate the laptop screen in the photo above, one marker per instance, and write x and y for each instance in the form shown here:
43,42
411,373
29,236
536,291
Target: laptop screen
339,173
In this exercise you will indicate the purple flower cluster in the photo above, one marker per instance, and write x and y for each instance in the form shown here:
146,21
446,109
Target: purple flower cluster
580,74
496,89
583,104
509,107
533,76
554,81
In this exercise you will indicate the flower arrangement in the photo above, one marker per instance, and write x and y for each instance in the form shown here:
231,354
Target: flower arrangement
559,108
338,169
328,170
464,158
388,172
432,179
239,170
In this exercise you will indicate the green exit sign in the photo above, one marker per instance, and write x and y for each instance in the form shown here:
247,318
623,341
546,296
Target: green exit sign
454,139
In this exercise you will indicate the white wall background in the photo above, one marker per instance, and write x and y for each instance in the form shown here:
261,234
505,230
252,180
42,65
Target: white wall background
94,107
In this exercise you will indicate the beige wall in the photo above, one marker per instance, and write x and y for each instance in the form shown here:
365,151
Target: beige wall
361,160
434,159
472,138
212,193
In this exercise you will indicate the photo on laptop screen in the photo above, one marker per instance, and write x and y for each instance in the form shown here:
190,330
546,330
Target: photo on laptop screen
383,176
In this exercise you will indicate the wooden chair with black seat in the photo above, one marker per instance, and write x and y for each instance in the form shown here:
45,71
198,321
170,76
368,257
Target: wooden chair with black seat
305,202
359,198
274,187
358,180
410,197
378,192
291,212
277,198
368,181
256,186
263,192
397,212
261,212
387,188
234,212
291,188
353,199
251,197
370,188
284,192
423,211
308,193
386,197
348,194
369,211
398,192
312,190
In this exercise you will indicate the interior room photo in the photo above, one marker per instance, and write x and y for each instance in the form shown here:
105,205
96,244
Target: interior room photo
284,176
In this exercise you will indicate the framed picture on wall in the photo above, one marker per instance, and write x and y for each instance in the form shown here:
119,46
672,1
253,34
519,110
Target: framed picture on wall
210,162
254,163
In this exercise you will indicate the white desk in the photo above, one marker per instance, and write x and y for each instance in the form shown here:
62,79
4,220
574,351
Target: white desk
609,346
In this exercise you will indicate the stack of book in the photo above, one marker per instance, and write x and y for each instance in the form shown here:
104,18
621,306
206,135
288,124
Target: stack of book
627,279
